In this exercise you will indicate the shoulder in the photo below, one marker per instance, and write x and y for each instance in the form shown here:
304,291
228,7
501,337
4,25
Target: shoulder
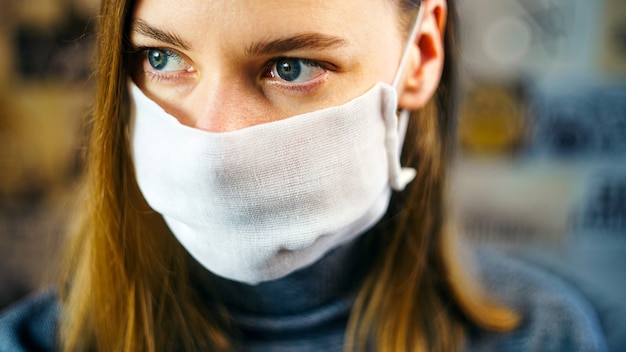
555,316
30,325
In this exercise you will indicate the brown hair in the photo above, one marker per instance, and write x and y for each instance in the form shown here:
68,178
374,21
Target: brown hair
418,296
128,284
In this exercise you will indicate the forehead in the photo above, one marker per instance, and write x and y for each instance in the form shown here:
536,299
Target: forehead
237,20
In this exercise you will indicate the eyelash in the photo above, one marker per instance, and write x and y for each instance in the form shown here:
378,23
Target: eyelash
295,86
140,59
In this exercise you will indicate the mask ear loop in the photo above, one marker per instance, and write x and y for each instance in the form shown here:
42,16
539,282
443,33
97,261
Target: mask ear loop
406,174
405,56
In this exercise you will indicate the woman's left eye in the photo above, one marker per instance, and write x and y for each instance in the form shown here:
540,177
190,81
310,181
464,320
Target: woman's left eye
292,70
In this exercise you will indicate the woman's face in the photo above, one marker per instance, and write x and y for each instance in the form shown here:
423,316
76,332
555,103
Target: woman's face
222,65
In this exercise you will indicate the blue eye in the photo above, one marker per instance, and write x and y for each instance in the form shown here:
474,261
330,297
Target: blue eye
296,70
289,69
165,60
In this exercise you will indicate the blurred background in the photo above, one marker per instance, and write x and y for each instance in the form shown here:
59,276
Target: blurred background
45,95
541,165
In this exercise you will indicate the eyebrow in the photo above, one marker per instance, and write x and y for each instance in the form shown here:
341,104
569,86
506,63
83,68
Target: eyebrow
314,41
139,26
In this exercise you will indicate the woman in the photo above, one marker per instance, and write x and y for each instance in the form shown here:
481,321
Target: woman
244,190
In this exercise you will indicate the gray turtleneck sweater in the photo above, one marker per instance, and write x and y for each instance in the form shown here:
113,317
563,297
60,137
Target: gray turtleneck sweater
308,310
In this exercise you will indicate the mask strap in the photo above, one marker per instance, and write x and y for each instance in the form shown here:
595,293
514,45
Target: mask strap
405,56
406,174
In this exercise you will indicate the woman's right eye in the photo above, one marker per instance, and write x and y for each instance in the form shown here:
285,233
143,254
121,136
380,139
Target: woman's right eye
166,61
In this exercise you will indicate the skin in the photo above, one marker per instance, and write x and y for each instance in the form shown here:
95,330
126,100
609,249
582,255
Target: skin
223,74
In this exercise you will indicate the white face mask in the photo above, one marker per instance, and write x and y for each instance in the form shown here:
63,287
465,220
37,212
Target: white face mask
256,204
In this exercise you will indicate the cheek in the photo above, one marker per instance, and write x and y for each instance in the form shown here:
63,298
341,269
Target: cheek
385,63
383,70
171,101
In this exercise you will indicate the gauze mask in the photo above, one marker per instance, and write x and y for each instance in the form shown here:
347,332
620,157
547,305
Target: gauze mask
258,203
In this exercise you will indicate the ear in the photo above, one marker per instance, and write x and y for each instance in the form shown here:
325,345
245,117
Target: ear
425,66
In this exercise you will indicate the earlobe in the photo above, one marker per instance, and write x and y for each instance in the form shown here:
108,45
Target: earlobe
427,58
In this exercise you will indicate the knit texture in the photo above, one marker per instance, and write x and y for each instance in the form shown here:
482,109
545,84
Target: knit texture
308,310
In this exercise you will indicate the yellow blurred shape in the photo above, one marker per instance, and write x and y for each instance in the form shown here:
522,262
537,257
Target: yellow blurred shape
491,121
